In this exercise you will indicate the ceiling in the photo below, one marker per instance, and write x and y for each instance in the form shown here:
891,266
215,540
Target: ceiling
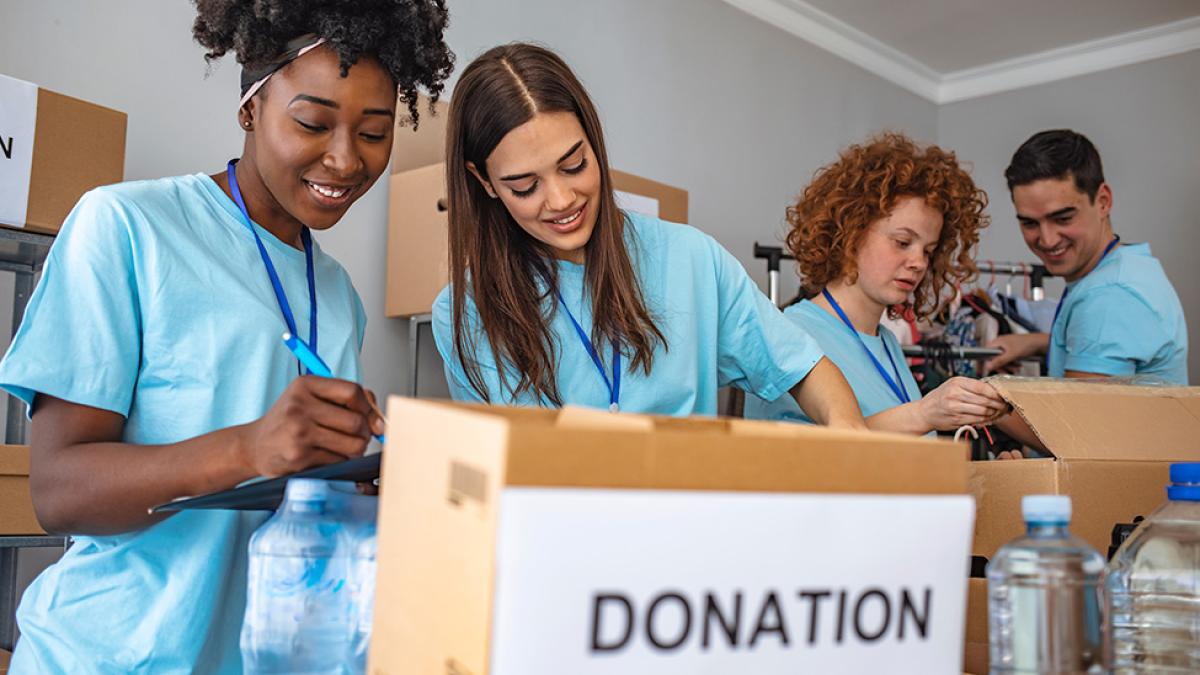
949,50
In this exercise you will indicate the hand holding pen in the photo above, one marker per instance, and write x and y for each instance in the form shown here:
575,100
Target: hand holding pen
317,420
317,366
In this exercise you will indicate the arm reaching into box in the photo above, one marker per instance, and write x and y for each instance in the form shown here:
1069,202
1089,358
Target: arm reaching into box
958,401
84,480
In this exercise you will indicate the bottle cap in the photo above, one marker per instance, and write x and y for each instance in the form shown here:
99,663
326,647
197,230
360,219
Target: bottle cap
1185,482
307,490
1046,508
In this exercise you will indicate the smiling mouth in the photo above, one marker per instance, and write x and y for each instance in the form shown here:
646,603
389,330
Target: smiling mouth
330,194
1056,251
569,219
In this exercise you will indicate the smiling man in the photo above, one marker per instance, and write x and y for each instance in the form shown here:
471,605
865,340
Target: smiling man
1119,315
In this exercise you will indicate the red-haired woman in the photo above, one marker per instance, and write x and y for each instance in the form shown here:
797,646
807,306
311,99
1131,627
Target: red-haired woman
889,225
557,296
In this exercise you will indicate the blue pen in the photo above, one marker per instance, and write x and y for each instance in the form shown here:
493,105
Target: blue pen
316,366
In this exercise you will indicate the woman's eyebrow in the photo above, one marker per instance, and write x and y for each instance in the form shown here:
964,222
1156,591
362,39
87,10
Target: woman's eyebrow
519,176
337,106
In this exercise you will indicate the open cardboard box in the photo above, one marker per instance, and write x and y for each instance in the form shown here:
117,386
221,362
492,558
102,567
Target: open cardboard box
53,148
538,541
418,250
1113,445
16,506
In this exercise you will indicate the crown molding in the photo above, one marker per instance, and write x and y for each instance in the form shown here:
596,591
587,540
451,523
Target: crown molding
840,38
1072,61
836,36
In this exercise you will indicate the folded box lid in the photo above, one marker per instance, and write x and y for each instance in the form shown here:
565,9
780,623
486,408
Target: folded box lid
1107,421
577,447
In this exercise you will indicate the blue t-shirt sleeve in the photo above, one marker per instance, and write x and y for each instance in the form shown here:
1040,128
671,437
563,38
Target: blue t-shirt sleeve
80,340
759,350
443,335
1110,331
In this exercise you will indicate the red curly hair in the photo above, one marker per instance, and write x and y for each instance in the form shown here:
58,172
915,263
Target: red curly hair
864,185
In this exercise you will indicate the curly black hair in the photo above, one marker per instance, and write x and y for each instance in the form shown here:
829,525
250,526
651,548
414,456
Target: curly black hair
405,35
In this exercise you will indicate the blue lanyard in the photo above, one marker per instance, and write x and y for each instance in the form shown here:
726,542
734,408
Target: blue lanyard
894,385
1107,249
614,385
280,295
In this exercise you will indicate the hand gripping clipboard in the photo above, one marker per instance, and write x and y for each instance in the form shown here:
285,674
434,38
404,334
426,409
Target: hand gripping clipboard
267,495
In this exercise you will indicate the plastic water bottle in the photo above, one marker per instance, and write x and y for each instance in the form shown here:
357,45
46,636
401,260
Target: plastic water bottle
1153,586
297,604
364,595
1044,596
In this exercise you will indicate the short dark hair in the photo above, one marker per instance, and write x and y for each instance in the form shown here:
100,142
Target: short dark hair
1057,154
405,35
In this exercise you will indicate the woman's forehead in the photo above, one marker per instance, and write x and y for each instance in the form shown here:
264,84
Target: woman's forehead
545,140
319,74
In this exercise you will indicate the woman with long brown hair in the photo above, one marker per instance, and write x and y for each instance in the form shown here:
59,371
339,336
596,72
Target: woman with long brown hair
559,297
889,225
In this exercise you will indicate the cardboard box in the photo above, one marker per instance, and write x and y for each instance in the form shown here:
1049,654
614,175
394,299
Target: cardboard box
1113,446
418,250
540,541
5,659
16,506
53,148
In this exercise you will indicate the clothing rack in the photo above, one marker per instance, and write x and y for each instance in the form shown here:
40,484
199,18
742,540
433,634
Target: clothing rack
962,353
1036,273
772,254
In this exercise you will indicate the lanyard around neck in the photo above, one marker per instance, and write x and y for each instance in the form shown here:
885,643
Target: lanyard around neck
895,385
280,295
1107,249
613,385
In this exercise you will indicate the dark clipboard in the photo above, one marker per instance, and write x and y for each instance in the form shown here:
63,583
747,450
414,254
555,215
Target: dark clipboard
267,495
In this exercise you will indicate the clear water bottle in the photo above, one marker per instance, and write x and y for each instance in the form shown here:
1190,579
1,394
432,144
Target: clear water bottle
363,583
297,602
1044,596
1153,586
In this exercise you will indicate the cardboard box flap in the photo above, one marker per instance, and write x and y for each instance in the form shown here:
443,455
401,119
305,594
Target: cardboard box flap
578,417
14,460
1096,420
578,447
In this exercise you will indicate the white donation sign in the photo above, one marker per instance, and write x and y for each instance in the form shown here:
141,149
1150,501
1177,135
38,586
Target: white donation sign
674,582
18,117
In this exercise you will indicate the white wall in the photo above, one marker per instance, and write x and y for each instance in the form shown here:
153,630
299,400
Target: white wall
692,92
1143,118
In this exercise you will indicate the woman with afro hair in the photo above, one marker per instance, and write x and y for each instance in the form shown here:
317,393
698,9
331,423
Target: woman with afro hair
889,227
150,355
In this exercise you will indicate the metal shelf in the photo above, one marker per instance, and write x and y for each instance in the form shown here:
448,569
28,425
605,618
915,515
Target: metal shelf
23,253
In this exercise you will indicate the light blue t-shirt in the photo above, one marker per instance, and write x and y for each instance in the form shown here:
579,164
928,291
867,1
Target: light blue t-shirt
155,304
873,394
720,330
1122,319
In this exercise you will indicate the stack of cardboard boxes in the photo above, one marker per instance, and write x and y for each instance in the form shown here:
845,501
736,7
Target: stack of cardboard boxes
53,148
